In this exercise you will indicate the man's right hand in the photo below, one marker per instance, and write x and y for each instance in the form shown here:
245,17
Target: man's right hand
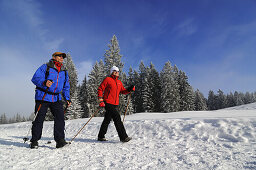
49,83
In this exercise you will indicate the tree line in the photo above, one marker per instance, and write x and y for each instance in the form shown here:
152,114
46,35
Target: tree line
164,91
16,118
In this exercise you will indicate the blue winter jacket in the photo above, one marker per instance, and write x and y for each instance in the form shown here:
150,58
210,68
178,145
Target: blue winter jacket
60,83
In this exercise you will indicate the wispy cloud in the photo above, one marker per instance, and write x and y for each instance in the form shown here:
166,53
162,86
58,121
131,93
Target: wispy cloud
186,28
30,13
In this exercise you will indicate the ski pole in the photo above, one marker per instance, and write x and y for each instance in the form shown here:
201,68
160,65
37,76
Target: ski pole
129,97
85,125
26,138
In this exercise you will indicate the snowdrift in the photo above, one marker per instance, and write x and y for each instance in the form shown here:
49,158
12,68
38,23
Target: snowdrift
223,139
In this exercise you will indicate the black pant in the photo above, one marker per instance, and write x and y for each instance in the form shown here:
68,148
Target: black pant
112,113
59,123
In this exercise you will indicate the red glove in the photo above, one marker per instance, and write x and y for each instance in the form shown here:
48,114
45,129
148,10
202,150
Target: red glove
102,104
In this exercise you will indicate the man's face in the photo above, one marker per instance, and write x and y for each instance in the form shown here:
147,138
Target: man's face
58,58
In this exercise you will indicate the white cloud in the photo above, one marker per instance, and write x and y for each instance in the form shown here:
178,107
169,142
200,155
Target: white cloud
30,12
186,28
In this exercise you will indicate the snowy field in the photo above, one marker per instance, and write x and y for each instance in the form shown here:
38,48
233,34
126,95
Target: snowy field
223,139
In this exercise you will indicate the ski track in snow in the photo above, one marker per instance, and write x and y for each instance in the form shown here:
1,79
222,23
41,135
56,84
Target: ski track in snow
223,139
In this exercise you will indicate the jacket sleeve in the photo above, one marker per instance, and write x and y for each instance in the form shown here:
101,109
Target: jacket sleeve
39,76
66,88
102,87
123,90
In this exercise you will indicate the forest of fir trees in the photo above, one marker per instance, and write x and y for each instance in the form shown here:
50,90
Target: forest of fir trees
164,91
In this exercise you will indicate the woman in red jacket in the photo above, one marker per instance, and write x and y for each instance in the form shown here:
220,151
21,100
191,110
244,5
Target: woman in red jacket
111,87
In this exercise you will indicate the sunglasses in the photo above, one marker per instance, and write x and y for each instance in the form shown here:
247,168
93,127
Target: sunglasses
59,56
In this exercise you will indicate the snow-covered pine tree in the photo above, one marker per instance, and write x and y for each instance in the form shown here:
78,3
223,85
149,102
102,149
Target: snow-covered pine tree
238,98
83,97
187,96
72,74
200,101
136,97
230,100
3,119
170,97
221,100
112,57
18,118
211,102
75,110
145,93
130,81
248,98
96,76
155,88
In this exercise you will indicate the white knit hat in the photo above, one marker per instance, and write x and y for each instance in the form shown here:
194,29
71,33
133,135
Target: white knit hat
114,68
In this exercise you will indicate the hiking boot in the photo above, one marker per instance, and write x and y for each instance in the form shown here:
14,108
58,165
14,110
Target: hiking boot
126,139
61,143
33,145
102,139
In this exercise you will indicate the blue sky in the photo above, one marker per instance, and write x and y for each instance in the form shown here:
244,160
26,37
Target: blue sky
213,41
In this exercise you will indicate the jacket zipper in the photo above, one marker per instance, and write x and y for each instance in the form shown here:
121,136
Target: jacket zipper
56,86
116,90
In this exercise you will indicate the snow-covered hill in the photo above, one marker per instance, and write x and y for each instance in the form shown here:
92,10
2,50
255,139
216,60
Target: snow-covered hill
223,139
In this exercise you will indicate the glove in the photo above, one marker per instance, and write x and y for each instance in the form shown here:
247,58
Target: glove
131,88
102,104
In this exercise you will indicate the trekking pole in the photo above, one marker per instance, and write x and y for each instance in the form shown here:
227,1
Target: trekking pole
129,98
85,124
26,138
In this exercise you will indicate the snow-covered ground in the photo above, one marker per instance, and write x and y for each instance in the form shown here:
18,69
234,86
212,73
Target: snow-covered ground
223,139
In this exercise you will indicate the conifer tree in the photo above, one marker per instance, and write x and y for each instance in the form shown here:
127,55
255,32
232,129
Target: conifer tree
136,97
221,100
72,74
96,76
238,98
75,110
145,96
155,88
4,119
112,56
211,103
230,100
186,93
200,101
83,97
170,97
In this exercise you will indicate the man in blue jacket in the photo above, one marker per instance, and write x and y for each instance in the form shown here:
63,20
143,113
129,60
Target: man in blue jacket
51,80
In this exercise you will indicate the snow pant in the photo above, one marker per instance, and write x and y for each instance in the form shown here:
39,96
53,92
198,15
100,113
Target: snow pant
112,113
59,123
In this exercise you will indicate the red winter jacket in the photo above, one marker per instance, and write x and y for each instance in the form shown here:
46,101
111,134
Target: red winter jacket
111,87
